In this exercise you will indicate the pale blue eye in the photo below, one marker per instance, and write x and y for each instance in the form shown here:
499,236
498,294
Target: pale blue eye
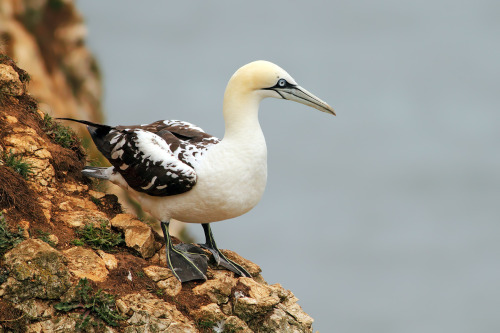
282,82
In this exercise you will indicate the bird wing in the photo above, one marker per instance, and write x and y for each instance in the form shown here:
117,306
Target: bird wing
186,141
158,159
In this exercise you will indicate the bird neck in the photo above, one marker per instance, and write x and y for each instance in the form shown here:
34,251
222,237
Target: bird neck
241,115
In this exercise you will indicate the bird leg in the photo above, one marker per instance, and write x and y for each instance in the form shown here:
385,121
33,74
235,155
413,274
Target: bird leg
220,259
187,262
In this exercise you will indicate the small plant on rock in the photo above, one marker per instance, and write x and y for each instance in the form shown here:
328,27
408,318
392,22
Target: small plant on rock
99,238
98,303
8,239
16,162
206,324
60,134
45,236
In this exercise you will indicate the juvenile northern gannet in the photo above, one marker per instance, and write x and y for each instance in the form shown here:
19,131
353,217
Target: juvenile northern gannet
176,170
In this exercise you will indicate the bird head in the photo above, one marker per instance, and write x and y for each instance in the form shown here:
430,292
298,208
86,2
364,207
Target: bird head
265,79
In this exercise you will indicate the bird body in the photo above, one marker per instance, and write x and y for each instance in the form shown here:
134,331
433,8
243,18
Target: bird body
176,170
230,181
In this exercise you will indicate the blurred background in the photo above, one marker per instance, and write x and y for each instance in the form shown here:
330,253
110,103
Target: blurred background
398,229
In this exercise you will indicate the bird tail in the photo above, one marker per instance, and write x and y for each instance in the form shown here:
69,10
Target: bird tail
97,172
97,131
86,122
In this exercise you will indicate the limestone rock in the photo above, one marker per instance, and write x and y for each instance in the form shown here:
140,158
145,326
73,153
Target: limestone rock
153,314
210,312
157,273
75,203
165,279
141,239
138,235
26,142
35,308
61,324
77,218
123,308
171,286
159,258
260,299
9,81
219,288
235,324
37,271
250,267
85,263
109,259
281,321
97,195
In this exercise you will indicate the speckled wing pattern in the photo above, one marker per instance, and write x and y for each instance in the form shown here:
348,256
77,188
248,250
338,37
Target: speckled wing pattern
158,159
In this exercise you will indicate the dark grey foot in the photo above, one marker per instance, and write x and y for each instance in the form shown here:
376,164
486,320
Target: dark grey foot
220,259
188,262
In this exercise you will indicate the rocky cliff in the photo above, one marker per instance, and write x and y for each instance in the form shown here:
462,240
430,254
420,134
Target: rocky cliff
70,260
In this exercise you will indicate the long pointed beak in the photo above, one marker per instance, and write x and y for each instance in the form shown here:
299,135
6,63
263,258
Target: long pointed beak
301,95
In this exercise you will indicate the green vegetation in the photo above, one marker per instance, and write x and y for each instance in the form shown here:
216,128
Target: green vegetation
205,324
44,236
16,162
96,201
98,238
60,134
24,77
99,303
8,239
56,4
78,242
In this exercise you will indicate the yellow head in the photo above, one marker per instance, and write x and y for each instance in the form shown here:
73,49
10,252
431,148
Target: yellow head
265,79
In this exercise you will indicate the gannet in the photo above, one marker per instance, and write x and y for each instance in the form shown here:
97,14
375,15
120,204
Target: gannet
177,171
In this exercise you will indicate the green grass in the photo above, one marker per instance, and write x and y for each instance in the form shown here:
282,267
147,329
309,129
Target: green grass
60,134
206,324
8,239
98,238
96,201
15,161
78,242
99,303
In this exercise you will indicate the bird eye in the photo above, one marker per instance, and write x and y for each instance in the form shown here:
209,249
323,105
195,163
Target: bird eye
282,82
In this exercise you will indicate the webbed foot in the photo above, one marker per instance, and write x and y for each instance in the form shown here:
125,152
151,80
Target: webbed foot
187,261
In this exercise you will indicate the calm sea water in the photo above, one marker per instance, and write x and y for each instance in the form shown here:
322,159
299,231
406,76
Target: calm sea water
382,219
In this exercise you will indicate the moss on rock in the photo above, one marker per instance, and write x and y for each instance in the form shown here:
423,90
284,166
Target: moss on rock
37,271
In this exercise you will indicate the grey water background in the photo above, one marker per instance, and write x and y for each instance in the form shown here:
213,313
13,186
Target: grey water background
385,218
